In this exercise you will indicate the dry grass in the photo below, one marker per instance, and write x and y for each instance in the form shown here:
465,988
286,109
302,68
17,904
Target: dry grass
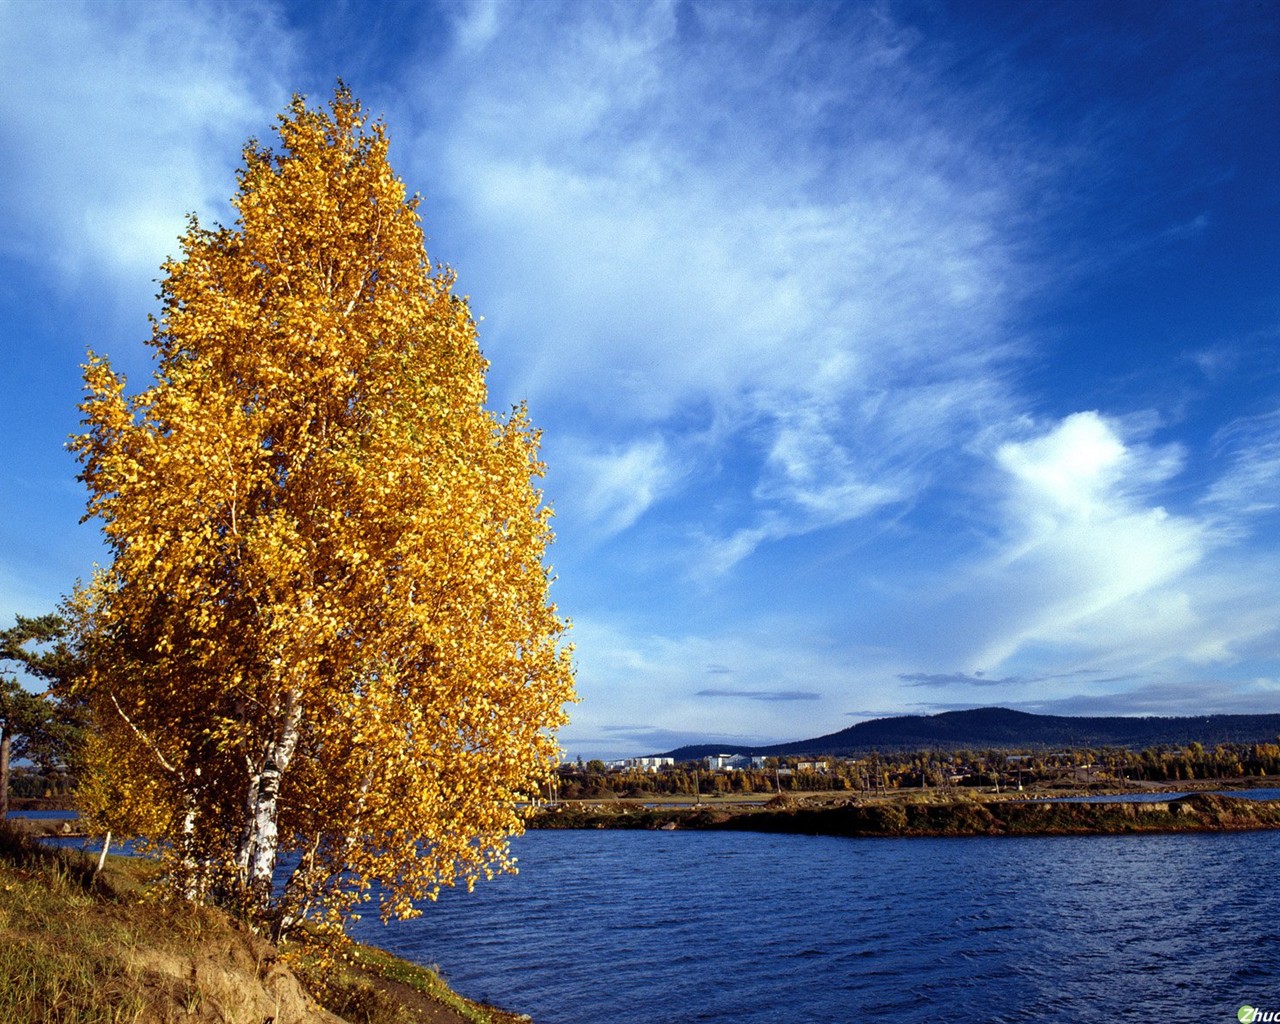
80,949
55,965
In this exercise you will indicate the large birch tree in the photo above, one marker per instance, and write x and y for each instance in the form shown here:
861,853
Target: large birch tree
325,629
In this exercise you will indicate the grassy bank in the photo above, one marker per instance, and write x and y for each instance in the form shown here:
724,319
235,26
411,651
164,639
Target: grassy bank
1196,813
75,947
1201,812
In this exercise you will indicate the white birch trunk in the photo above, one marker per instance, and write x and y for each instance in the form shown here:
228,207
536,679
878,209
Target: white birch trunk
249,835
102,857
264,803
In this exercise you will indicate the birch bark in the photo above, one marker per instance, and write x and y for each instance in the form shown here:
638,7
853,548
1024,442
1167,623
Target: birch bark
263,846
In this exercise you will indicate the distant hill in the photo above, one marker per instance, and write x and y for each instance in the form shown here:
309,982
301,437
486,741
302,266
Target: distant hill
998,728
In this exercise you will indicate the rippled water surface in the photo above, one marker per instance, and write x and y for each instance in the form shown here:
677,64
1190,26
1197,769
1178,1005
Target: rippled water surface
607,927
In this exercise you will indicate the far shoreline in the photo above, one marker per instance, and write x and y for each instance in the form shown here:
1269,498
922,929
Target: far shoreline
918,814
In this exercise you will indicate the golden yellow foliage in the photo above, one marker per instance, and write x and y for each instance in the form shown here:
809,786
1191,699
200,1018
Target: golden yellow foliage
327,613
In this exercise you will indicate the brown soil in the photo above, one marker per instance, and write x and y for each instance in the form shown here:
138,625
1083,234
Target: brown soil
236,978
428,1010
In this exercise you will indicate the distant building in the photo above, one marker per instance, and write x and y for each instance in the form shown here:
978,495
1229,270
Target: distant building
811,766
728,762
651,764
640,764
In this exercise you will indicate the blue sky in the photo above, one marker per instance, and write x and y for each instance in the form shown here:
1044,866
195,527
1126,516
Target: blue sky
890,357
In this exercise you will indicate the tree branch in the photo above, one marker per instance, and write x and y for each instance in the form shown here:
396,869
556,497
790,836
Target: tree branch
143,736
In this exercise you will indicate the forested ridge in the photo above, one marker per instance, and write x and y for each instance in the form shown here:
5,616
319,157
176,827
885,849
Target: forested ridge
1002,728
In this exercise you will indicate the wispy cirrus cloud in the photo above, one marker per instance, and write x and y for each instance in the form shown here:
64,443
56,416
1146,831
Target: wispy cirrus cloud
826,337
769,696
119,120
1207,695
609,487
938,680
1250,485
933,679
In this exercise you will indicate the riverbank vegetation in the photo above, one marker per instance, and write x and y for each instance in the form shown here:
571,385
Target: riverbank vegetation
39,734
928,815
1014,768
81,946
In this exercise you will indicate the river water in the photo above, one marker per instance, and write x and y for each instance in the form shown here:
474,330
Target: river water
617,927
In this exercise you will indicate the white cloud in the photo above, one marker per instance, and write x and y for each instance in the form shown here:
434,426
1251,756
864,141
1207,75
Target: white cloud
613,487
1251,483
718,555
810,468
823,279
1089,566
119,119
476,23
1071,472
